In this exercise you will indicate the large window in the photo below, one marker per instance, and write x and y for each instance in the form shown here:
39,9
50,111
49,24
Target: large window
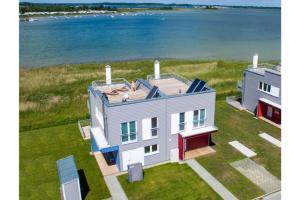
128,131
199,118
151,149
181,121
154,128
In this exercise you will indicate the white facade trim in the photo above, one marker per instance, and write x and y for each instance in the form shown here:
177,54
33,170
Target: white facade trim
146,128
175,123
198,131
132,156
271,103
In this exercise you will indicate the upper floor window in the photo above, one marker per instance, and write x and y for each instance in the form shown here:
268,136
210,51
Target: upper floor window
181,121
128,131
154,127
267,88
199,118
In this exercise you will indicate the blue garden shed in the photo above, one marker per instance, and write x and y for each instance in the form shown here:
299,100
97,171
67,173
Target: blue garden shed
69,178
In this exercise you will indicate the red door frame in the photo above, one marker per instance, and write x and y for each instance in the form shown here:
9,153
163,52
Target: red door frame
180,147
262,109
182,140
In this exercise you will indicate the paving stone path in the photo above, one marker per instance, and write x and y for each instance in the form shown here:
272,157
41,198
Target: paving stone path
257,174
115,188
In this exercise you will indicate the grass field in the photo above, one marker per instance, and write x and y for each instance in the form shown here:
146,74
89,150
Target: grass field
241,126
53,99
168,181
39,151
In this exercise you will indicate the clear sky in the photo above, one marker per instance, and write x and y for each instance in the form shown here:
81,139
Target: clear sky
271,3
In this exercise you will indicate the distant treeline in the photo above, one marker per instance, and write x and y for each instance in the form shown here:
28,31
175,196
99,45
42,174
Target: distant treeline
31,7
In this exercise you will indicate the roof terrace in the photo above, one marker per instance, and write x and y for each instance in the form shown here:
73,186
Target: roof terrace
157,85
170,84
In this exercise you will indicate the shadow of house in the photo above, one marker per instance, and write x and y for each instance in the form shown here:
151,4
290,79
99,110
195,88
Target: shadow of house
84,186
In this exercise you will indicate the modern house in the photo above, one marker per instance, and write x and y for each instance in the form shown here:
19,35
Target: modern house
150,121
261,90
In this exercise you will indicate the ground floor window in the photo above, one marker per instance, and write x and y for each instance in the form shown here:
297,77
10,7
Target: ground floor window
152,149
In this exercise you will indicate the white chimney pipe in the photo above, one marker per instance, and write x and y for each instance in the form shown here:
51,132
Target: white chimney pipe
108,74
255,60
156,69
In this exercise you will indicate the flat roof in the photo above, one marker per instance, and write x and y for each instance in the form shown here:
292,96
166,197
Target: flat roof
265,67
67,170
170,86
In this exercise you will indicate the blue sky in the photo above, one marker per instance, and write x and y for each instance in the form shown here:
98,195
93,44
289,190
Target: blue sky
275,3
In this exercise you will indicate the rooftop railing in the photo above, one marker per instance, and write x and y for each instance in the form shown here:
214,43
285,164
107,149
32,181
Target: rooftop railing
170,75
263,65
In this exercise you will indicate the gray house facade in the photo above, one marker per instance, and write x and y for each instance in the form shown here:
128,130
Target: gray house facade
150,121
261,91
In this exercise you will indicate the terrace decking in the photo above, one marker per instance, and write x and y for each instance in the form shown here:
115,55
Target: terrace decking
120,91
170,86
198,152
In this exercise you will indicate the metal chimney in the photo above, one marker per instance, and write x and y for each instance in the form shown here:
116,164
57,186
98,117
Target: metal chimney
108,74
156,69
255,60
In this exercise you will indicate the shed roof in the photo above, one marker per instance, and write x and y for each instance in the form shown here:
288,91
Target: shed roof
67,170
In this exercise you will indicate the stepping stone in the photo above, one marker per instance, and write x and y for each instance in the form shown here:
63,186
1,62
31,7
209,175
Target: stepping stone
243,149
270,139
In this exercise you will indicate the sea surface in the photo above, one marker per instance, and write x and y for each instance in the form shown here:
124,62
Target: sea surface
229,33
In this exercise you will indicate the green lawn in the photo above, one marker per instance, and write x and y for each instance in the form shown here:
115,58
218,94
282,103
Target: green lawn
241,126
168,181
39,151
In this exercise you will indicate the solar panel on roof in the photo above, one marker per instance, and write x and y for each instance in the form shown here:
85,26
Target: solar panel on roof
200,86
152,92
193,86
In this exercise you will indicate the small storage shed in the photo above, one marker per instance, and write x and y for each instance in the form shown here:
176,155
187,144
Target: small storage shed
69,179
135,172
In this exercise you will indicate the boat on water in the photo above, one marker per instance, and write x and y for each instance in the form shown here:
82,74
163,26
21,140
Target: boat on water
28,20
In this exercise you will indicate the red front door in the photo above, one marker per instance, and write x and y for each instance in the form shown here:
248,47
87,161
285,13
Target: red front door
197,141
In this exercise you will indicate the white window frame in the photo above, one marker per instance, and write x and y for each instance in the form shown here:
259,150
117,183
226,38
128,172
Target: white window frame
153,137
151,152
184,122
128,129
271,92
198,121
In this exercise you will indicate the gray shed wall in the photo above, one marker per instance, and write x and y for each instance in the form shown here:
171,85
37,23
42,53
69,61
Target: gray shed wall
71,190
250,92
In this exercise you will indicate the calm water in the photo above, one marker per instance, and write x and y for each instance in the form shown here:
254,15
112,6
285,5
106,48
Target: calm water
207,34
